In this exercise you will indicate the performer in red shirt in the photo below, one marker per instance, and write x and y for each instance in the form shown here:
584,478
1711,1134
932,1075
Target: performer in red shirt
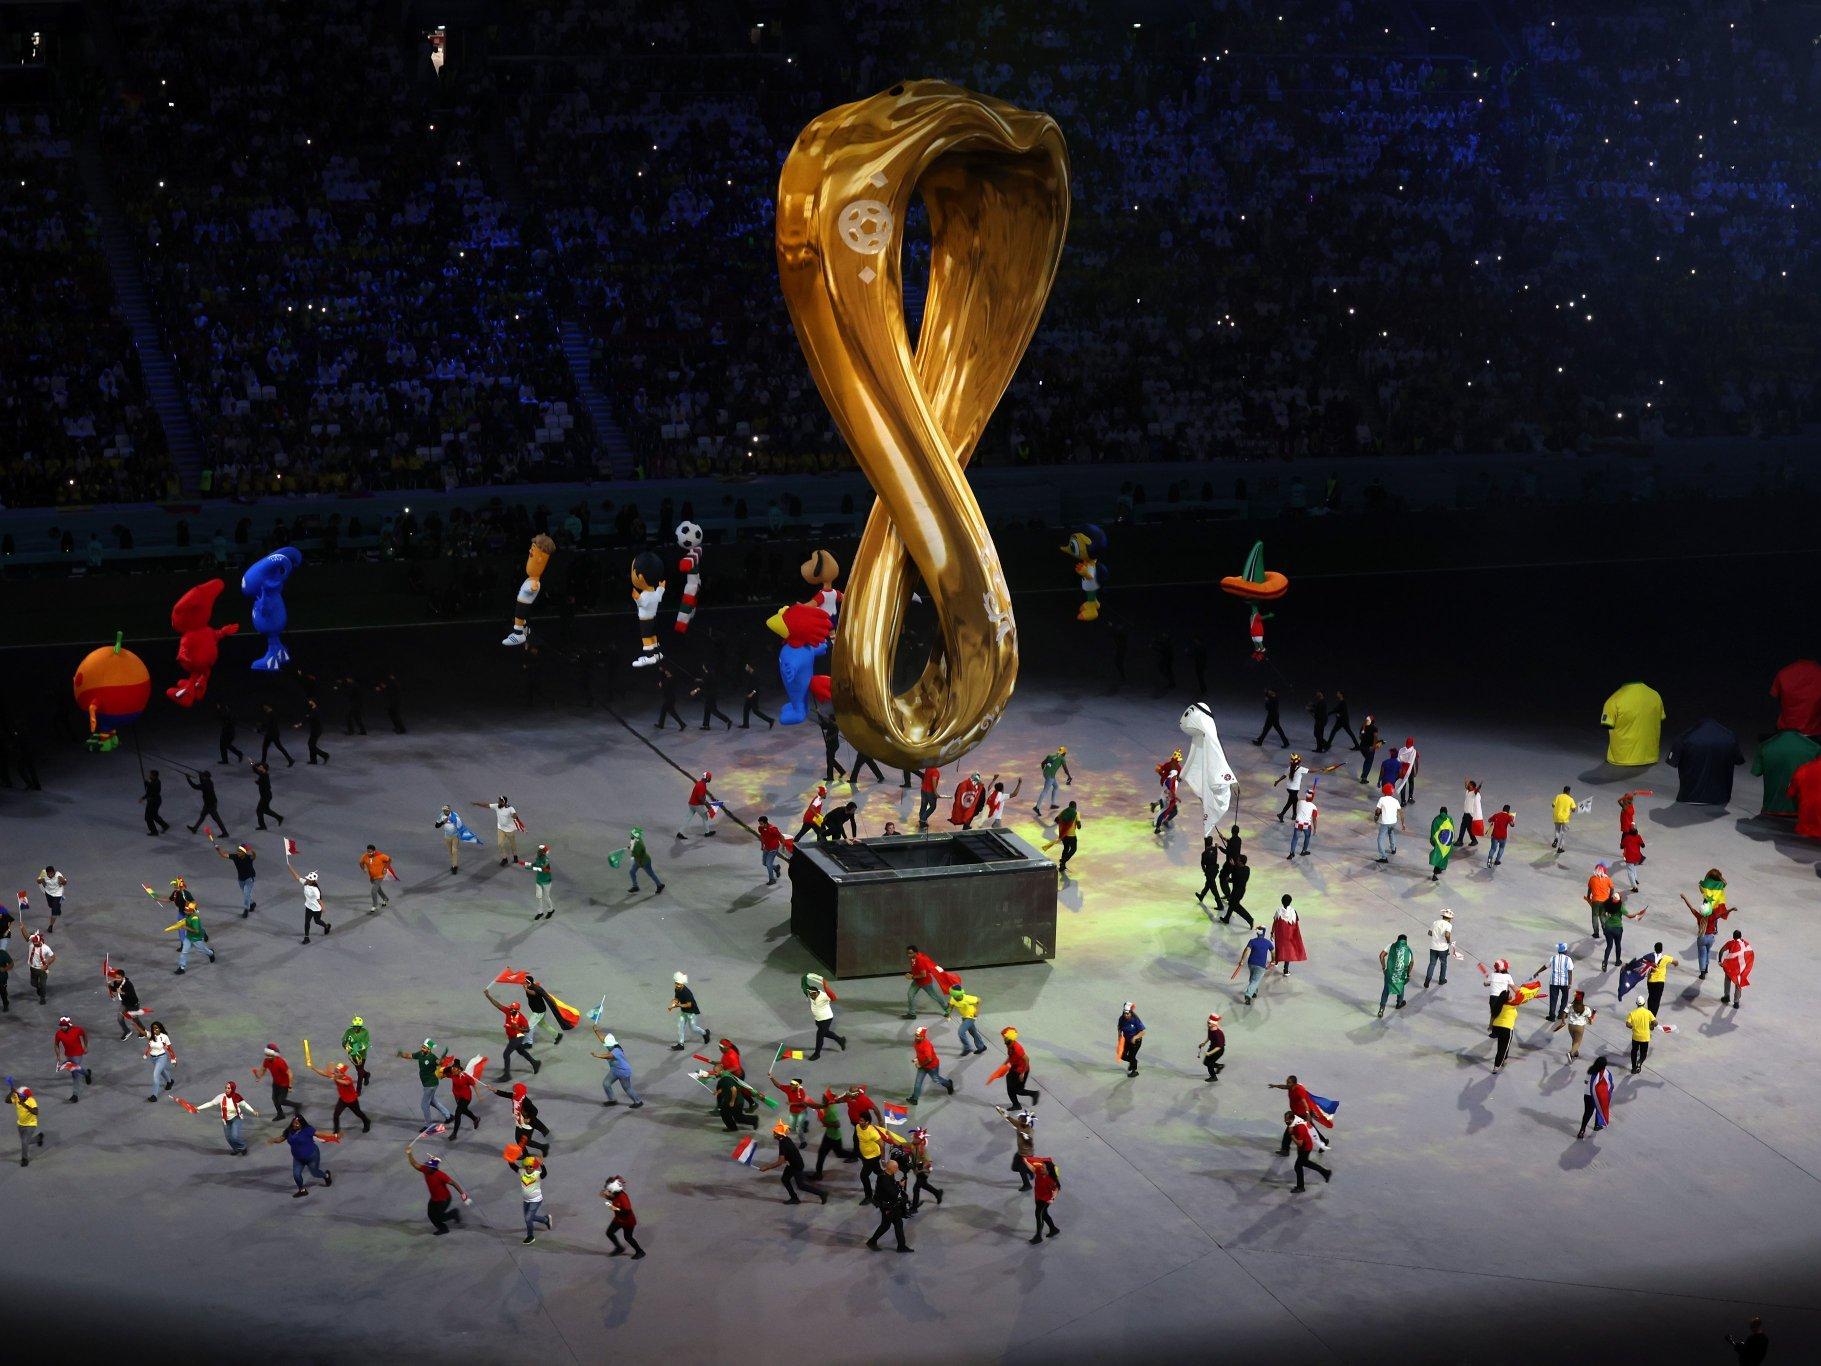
922,976
969,793
1299,1131
347,1094
274,1066
1017,1069
932,779
70,1045
439,1183
1805,787
812,814
624,1220
1301,1107
461,1086
1048,1185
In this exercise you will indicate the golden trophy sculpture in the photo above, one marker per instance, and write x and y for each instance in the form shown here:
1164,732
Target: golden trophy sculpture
995,181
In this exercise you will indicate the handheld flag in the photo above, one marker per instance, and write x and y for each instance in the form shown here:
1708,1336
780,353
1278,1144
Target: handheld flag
454,821
476,1065
191,1109
793,1054
566,1015
510,977
290,847
1003,1068
149,892
1634,972
745,1150
1322,1103
895,1114
329,1138
594,1016
1736,961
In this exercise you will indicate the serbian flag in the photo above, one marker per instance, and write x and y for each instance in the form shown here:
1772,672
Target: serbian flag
1322,1103
745,1151
291,849
1736,960
895,1114
1601,1092
510,977
1634,972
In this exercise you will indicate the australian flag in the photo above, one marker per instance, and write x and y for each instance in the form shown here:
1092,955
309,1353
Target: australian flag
1634,972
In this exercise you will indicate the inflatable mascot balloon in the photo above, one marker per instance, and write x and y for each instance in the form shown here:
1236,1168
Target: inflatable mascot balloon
647,593
1086,547
264,582
198,643
1205,769
112,685
1255,584
537,560
689,565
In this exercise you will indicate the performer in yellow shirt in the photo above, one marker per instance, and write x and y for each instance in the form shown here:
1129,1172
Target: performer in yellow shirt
1562,811
25,1111
1659,977
1641,1021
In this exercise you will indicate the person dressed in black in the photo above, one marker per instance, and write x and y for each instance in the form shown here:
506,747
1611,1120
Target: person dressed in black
1213,1048
153,799
892,1203
353,721
860,761
387,688
1198,660
226,739
749,704
831,744
1163,649
312,720
1233,878
1318,712
263,776
708,691
736,1105
1273,721
1210,872
524,1118
1754,1347
668,685
204,782
269,736
1368,746
790,1157
1342,719
840,823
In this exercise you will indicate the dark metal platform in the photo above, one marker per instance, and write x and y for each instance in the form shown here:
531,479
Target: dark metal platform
972,898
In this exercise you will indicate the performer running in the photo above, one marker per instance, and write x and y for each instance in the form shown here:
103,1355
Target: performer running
347,1095
439,1183
614,1192
273,1066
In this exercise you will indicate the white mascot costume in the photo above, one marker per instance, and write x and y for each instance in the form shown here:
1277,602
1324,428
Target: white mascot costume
1205,770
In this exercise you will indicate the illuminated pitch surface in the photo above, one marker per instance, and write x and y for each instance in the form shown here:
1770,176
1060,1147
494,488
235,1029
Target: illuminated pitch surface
1462,1214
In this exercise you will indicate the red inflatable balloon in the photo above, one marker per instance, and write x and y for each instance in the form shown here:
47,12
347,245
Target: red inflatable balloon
198,644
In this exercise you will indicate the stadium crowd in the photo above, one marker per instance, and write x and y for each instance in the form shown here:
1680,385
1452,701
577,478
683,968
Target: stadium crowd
1298,230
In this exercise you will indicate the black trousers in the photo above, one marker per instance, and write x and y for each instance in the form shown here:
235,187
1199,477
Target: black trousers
888,1220
1365,765
668,707
1015,1087
271,741
616,1231
1289,803
869,1168
1639,1052
462,1108
281,1102
398,721
834,764
354,723
351,1106
1234,908
441,1214
804,829
226,744
918,1187
1131,1055
1586,1113
522,1136
1653,992
520,1046
1024,1172
732,1119
750,709
314,917
264,809
1303,1160
1043,1218
710,709
1340,724
1272,724
831,1143
825,1029
1068,850
206,812
1207,886
789,1178
317,752
1504,1045
1211,1061
153,821
861,761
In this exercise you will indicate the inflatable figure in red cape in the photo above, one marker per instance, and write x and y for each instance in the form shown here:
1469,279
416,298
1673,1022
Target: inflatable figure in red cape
805,629
198,643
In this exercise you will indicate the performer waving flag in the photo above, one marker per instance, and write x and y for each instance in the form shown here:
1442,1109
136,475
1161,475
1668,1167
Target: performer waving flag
1736,961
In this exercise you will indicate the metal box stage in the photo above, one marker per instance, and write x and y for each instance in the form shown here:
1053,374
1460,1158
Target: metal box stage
971,899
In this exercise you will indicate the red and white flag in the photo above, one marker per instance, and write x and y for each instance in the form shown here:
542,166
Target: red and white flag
290,847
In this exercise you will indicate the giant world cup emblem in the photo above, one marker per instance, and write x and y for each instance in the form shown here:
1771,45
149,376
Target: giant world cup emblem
995,182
